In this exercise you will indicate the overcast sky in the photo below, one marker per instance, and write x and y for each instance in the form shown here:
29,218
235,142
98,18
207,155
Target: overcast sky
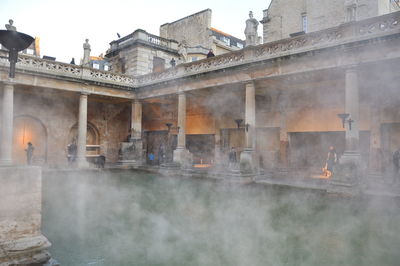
63,25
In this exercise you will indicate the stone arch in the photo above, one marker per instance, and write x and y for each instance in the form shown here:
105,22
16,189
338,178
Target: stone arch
28,128
92,137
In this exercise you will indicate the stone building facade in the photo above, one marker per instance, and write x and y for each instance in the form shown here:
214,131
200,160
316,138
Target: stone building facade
285,18
185,40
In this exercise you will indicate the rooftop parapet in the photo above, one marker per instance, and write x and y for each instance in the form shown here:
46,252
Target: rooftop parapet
371,28
141,36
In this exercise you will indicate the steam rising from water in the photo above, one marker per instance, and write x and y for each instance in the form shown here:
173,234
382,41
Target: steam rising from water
125,218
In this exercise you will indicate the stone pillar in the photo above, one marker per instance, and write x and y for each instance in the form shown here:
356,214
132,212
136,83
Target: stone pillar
284,142
181,155
82,131
7,124
347,172
247,160
218,156
136,120
132,151
352,108
375,155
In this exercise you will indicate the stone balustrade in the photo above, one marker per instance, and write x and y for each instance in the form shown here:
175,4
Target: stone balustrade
42,66
346,33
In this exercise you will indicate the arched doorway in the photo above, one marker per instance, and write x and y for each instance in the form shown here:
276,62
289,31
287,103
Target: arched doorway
29,129
92,139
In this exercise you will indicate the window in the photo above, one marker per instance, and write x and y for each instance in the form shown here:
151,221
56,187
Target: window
304,22
240,45
96,66
158,64
351,13
29,51
106,68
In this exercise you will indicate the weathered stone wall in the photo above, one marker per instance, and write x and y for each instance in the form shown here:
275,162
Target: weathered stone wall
21,202
138,59
194,29
20,216
59,114
286,16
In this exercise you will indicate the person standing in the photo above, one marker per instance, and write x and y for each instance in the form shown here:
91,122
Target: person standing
396,161
331,161
232,157
29,153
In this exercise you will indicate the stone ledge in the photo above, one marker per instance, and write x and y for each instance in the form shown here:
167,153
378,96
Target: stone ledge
24,251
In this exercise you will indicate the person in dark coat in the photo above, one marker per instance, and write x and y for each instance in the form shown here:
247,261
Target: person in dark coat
232,157
396,161
210,53
29,153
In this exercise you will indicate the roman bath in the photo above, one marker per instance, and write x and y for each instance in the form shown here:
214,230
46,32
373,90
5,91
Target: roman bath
217,161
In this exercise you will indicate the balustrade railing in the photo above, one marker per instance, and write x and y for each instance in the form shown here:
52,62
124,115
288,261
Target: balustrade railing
346,33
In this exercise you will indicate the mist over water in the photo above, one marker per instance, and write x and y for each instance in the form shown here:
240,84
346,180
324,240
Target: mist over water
133,218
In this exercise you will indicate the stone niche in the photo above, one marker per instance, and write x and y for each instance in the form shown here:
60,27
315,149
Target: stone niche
21,240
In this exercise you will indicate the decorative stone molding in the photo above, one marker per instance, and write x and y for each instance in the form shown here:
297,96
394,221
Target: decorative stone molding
344,34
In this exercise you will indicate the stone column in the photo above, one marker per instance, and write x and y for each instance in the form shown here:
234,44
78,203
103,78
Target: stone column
82,131
352,108
181,155
218,157
346,174
247,160
284,141
7,124
136,120
375,154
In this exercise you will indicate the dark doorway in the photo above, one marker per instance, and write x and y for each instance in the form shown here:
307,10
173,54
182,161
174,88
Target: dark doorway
161,144
201,147
310,149
390,140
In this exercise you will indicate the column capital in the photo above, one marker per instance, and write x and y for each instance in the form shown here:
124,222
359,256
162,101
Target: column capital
351,68
9,82
250,82
136,101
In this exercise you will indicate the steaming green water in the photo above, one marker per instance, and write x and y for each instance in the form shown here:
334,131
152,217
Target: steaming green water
127,218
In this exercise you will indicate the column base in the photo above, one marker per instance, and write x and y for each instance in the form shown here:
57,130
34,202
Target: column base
183,158
346,174
82,163
5,162
131,153
247,161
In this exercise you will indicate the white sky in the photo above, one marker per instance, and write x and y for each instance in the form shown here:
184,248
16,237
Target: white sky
63,25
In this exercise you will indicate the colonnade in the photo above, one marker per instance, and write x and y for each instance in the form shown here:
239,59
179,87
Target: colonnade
181,154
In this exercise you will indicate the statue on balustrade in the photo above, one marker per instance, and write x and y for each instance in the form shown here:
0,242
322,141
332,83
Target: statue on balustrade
251,30
11,26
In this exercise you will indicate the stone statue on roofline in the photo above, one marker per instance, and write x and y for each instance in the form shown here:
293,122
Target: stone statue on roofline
182,50
86,53
11,26
251,30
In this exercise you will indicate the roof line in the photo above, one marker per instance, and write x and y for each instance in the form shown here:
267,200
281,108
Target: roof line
208,9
